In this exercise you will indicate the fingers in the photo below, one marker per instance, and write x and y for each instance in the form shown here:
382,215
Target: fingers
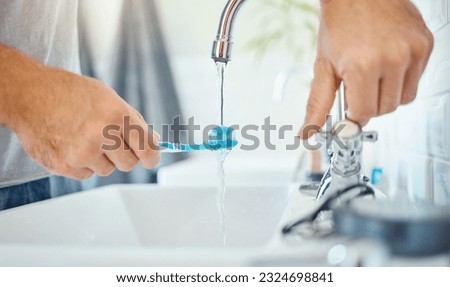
321,99
142,141
81,174
103,166
391,90
78,174
421,55
361,92
410,85
119,155
122,158
367,93
133,141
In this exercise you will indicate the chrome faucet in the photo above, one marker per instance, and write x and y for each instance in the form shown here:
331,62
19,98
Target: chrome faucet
345,167
223,44
346,145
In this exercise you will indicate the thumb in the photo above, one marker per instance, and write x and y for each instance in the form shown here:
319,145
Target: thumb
321,98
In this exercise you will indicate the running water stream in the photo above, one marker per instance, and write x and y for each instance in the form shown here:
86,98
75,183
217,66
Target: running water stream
221,154
221,67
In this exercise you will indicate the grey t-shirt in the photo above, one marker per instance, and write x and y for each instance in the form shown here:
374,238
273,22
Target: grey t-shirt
47,31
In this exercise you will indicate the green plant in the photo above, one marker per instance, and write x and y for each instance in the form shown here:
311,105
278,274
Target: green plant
290,25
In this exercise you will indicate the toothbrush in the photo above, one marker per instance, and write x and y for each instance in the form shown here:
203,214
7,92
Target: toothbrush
168,147
220,137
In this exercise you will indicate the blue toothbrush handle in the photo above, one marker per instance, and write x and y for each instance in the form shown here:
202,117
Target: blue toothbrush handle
212,145
172,147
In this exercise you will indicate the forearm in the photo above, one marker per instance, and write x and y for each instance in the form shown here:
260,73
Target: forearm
19,73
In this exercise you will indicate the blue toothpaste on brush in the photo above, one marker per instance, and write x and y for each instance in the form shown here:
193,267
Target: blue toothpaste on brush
220,137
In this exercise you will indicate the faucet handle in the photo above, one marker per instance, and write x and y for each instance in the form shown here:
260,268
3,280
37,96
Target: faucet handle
322,136
346,148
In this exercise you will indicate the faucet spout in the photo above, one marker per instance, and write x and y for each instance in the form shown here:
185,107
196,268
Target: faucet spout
223,44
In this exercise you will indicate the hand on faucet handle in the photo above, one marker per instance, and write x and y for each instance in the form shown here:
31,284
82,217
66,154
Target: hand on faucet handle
379,49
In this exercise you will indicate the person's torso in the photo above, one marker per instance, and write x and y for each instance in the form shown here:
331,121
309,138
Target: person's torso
47,31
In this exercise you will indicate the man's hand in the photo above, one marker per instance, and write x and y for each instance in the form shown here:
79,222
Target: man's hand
59,118
378,48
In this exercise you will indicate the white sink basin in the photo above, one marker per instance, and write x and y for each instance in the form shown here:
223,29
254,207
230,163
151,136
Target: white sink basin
149,225
241,169
141,219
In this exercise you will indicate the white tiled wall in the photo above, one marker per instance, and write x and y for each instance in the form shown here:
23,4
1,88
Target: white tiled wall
414,142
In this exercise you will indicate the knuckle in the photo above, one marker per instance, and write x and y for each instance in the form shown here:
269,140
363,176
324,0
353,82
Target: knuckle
125,168
127,165
399,56
387,109
424,44
63,169
430,38
151,158
361,117
407,99
68,171
364,64
105,171
83,175
154,159
370,62
79,157
72,160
